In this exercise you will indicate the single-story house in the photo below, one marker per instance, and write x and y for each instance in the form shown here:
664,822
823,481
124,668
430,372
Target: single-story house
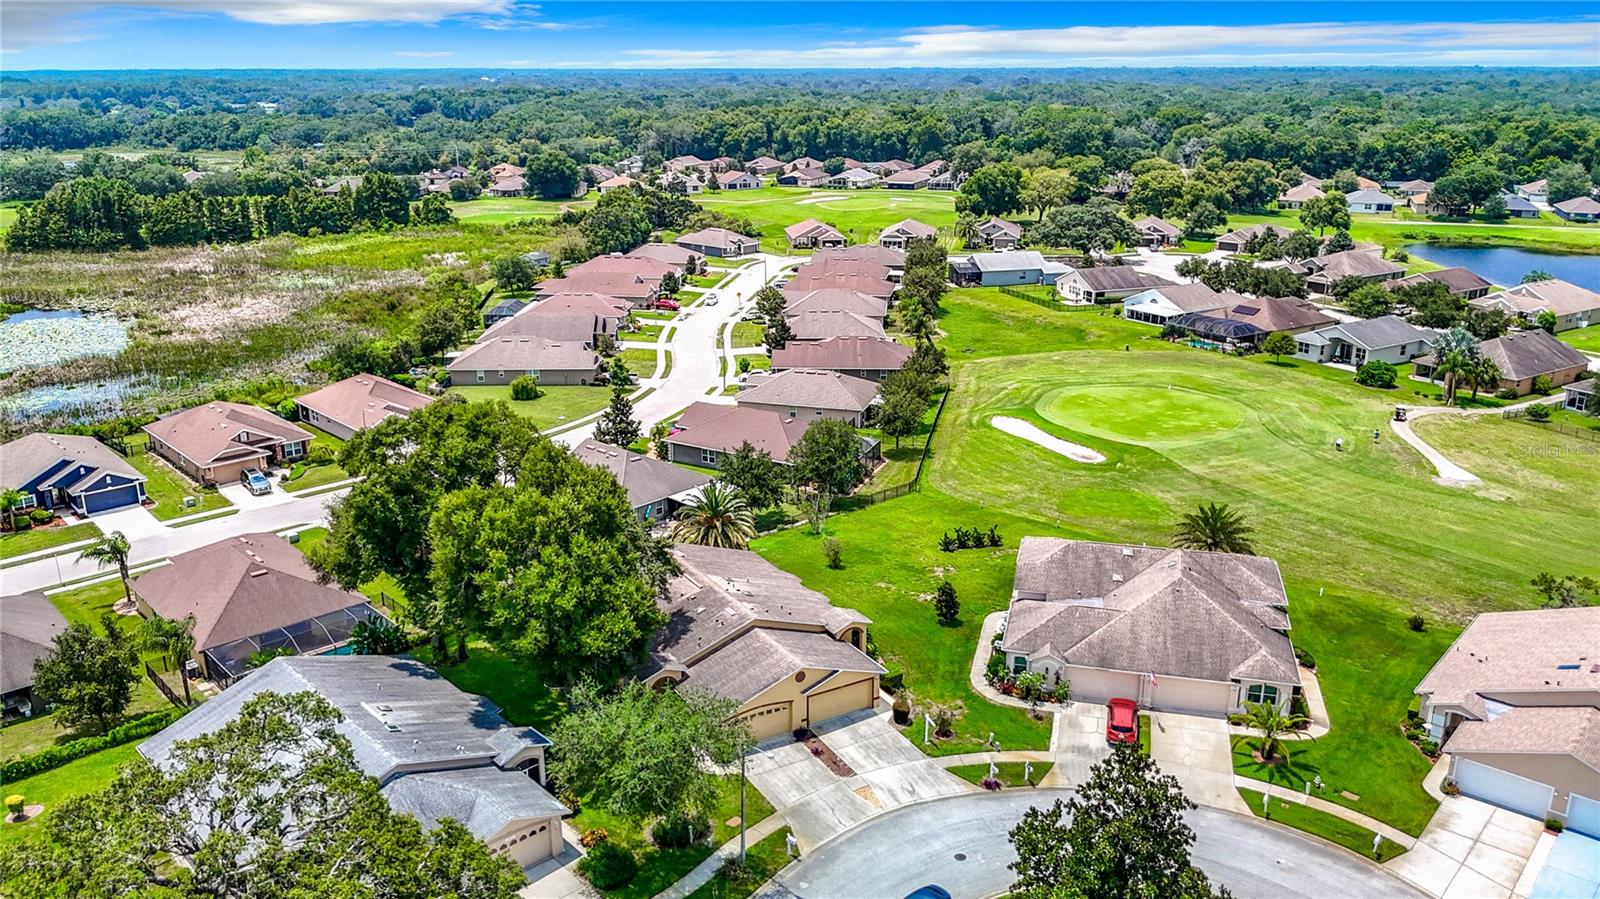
910,179
999,234
69,472
719,242
803,162
505,170
607,314
635,289
826,324
1578,209
215,442
898,235
737,180
514,186
358,402
1156,305
1365,183
435,751
503,310
726,164
684,182
679,258
705,432
1535,191
1573,306
808,177
1519,207
1004,268
499,360
595,174
29,625
656,489
687,162
351,182
809,394
1253,319
640,267
836,299
1105,283
936,167
812,234
615,182
1515,701
1412,188
743,629
1174,630
854,179
1578,395
1157,232
894,261
1523,356
1387,338
1234,241
890,167
1323,272
537,258
1463,282
1423,205
873,358
191,176
763,165
1369,200
858,273
247,594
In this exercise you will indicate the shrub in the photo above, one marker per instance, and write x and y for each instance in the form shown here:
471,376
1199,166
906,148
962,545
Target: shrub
1376,373
1417,623
22,524
41,516
58,755
525,387
1505,393
996,669
833,552
990,783
321,454
376,637
1542,385
947,543
608,866
1539,413
593,837
994,535
1305,658
1554,825
570,799
15,803
1449,788
676,833
1430,748
945,603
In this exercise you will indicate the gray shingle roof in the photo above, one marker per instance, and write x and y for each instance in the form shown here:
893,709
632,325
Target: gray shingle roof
27,457
1459,280
1350,263
1117,277
646,480
836,299
1574,730
484,800
1150,609
1370,196
822,324
29,625
813,388
1528,354
1383,331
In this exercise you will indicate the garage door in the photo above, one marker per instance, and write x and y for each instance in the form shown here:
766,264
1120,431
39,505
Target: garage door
825,704
1097,685
110,499
531,846
1503,788
769,720
1197,697
1583,815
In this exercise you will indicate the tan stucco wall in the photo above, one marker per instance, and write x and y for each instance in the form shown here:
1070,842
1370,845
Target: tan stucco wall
1559,770
808,413
793,692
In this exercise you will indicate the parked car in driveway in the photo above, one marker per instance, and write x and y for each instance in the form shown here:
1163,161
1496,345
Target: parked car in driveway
255,482
1122,721
669,305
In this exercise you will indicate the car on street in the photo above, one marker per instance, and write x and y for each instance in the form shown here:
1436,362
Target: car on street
1122,721
931,891
255,482
711,300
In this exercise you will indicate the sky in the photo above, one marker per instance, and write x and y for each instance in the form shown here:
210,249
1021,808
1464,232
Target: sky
683,34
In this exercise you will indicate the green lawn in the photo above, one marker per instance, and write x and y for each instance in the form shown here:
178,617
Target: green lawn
306,477
1547,233
641,362
1009,773
645,333
1586,339
747,334
8,214
382,589
983,322
556,405
661,868
501,210
860,214
167,487
1321,824
52,787
1144,734
763,860
43,731
37,538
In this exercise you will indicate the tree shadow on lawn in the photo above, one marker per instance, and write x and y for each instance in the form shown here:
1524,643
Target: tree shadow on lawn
1285,773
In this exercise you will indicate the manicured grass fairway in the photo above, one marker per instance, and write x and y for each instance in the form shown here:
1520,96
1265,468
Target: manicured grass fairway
1549,232
1321,824
1586,339
556,405
860,214
36,539
500,210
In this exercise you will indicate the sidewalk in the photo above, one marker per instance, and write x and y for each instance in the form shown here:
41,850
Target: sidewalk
703,872
1322,805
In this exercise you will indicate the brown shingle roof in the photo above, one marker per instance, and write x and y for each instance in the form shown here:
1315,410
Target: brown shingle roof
531,353
1519,652
835,299
218,431
813,229
361,401
645,479
1528,354
645,269
822,325
812,388
1574,730
1457,279
911,228
1276,313
1557,296
721,238
617,284
725,428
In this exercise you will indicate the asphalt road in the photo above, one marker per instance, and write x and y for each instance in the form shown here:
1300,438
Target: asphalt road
960,844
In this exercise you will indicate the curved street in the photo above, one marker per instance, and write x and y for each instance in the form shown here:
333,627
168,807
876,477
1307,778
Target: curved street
960,843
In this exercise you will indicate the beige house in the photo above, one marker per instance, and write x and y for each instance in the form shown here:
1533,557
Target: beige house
873,358
1573,306
1174,630
499,360
1522,357
215,442
810,394
356,403
1515,701
812,234
900,234
837,299
435,751
740,628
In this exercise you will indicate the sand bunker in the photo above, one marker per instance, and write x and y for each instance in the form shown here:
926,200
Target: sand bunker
820,199
1016,427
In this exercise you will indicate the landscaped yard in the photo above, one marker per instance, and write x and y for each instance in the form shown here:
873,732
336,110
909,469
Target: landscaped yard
303,476
383,590
641,362
52,787
167,487
762,860
556,405
43,731
1010,774
35,539
501,210
747,334
1586,339
1319,823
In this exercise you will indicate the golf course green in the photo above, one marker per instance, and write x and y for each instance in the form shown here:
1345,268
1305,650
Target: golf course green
1138,414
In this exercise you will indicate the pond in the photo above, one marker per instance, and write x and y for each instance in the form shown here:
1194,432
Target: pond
100,399
1506,265
38,337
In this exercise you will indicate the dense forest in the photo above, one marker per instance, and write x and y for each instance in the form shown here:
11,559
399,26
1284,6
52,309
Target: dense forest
1385,124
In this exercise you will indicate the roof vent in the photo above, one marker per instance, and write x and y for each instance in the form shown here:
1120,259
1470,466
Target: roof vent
385,708
257,572
394,729
1127,551
1117,578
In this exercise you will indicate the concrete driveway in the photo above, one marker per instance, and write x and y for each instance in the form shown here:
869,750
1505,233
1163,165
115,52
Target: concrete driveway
135,523
961,843
1470,850
1077,743
1571,869
1198,751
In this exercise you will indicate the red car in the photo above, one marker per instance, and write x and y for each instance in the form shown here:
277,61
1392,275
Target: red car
670,305
1122,721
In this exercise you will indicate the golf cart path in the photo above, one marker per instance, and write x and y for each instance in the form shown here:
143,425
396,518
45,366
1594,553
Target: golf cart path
1449,473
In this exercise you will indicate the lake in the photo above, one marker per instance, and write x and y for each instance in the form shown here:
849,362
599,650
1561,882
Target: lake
37,337
1506,265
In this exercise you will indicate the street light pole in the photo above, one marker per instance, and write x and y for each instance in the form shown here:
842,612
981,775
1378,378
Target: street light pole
741,809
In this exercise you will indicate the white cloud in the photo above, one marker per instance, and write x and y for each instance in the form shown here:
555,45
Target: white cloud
1572,42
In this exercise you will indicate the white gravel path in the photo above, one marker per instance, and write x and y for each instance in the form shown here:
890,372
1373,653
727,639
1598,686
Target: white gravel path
1016,427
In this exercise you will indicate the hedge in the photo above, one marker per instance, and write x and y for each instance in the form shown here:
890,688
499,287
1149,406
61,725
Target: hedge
56,756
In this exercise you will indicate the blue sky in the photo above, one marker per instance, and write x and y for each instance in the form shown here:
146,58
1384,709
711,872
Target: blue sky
474,34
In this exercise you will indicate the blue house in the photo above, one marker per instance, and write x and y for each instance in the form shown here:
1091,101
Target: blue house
63,471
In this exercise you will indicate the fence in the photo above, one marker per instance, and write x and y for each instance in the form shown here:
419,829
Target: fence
121,445
1560,427
164,687
895,491
1047,299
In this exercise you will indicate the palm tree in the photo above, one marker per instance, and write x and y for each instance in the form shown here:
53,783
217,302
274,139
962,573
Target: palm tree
1214,528
10,498
719,516
1453,352
1271,723
112,549
1482,373
173,639
967,228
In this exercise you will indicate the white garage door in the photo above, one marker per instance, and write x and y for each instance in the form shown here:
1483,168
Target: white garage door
1098,685
532,845
1503,788
1583,815
1196,697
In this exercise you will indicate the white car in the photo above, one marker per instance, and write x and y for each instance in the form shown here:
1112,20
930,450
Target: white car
711,301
